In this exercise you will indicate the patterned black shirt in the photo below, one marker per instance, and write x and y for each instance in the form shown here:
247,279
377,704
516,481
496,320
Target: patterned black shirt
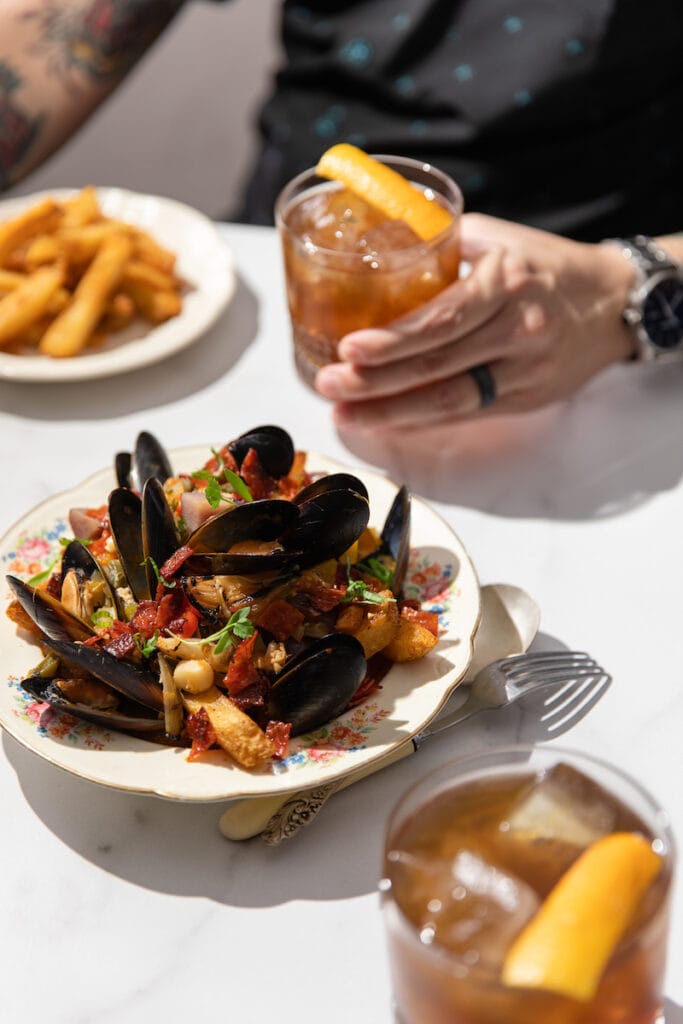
564,114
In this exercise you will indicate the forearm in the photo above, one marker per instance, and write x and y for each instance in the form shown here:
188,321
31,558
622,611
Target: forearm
58,60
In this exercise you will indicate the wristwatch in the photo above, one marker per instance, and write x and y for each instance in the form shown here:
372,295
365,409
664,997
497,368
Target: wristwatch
654,309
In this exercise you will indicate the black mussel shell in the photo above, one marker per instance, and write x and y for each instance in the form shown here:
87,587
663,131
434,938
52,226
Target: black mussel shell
273,445
396,537
332,482
150,461
318,684
123,464
159,535
328,525
49,614
255,520
129,716
125,520
77,558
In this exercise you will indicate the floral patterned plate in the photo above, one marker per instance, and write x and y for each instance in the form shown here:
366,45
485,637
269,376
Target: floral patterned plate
440,574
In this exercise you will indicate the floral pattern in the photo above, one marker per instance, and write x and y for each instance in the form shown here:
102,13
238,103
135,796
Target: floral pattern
427,581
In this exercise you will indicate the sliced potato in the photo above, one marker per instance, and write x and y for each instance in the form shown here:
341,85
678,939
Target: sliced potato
236,733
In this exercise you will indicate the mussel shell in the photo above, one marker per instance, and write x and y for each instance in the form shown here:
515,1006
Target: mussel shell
123,464
328,525
396,537
331,482
273,445
77,558
63,633
318,684
49,614
254,520
159,535
130,716
125,520
150,461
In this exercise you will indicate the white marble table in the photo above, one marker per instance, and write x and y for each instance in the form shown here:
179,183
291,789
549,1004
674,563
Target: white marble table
118,908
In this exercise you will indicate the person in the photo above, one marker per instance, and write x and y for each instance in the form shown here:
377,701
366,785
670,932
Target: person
559,119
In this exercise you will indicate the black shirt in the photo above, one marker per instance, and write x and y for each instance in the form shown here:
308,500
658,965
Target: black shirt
563,114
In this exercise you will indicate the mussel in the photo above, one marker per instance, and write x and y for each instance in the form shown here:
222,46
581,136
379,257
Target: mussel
273,445
318,684
127,715
149,461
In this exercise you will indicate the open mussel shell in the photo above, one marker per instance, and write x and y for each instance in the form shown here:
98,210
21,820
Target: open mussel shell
255,520
149,461
159,535
396,537
273,446
328,525
125,520
128,716
49,614
77,559
64,634
318,684
332,482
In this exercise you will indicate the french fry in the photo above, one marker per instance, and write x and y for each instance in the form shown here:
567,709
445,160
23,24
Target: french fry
21,229
83,208
118,314
11,279
43,249
68,333
28,302
140,272
236,733
82,244
154,305
151,252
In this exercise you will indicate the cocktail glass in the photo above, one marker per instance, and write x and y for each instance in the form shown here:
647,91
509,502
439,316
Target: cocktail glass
348,267
471,853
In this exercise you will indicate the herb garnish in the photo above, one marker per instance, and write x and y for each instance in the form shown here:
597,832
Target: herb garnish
238,626
160,579
374,567
360,592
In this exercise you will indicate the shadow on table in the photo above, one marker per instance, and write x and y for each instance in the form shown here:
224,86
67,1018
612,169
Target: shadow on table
611,448
185,373
176,848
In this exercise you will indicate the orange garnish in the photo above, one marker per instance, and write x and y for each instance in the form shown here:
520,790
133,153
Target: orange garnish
385,189
567,944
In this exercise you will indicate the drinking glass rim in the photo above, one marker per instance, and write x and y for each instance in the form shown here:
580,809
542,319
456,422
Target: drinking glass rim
456,208
506,756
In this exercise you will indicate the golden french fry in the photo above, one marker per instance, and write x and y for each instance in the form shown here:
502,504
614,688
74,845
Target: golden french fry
81,244
144,273
235,732
11,279
153,305
28,302
149,250
34,221
119,312
68,333
82,208
43,249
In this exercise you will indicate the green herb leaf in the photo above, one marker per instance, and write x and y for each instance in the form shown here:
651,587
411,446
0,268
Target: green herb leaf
40,577
102,618
160,579
149,646
238,485
360,592
373,567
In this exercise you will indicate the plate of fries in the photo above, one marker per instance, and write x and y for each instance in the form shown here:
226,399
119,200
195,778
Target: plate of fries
440,576
98,281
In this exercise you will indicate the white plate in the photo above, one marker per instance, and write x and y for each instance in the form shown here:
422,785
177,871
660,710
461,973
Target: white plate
204,261
441,573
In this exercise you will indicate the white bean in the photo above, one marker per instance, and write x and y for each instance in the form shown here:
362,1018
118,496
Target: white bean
194,675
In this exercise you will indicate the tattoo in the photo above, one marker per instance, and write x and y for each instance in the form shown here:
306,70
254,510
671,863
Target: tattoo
17,130
104,38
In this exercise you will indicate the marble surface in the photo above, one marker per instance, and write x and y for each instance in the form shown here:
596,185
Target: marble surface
117,908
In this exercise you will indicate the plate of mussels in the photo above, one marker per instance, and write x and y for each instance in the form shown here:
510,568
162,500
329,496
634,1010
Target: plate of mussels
218,622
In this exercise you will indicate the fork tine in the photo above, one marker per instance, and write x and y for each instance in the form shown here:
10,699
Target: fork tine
556,703
569,687
535,657
524,674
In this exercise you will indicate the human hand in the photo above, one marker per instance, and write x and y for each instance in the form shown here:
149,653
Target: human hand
541,311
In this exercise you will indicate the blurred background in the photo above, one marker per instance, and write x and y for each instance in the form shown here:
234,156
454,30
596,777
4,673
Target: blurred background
182,124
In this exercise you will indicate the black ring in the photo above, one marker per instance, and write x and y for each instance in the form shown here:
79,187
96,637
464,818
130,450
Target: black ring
486,384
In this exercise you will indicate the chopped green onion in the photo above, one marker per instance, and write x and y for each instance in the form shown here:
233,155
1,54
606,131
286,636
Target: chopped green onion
373,567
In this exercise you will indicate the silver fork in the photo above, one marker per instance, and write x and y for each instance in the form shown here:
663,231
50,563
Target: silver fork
574,679
572,675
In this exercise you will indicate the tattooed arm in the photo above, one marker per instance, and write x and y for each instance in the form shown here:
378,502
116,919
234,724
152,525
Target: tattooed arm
58,60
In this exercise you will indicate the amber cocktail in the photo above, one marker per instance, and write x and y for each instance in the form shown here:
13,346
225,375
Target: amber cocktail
348,266
472,854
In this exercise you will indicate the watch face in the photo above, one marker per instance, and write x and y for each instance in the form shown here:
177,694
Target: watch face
663,314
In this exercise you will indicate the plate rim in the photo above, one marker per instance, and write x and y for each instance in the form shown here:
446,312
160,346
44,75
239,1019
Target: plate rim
137,352
283,784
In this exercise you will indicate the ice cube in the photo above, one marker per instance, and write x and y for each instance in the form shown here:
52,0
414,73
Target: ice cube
390,236
486,910
469,906
565,806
